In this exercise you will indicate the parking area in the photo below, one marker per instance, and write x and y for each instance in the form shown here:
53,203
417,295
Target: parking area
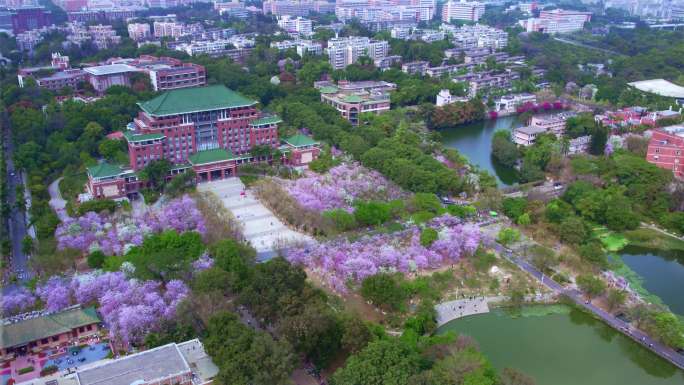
263,230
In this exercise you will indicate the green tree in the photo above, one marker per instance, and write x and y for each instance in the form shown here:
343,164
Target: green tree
514,207
385,290
616,298
235,258
156,172
27,245
508,236
573,231
386,362
371,213
428,235
590,285
342,219
503,149
666,327
96,259
245,356
166,255
426,202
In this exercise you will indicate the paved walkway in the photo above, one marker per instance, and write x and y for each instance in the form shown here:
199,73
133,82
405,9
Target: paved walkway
56,201
451,310
262,229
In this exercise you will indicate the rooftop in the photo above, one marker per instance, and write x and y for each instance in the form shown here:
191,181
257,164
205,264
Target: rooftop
210,156
300,140
530,130
266,120
144,367
110,69
104,170
44,326
660,87
133,137
196,99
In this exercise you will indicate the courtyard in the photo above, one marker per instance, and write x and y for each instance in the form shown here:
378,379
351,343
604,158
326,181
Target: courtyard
262,229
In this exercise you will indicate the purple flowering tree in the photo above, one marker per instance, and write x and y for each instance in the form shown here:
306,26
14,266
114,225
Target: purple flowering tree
341,261
55,293
94,231
16,301
340,187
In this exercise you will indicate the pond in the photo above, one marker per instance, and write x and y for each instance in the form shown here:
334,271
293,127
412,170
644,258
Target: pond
662,272
565,347
475,142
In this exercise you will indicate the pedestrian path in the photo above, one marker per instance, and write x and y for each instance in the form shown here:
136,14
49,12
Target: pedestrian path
56,201
261,228
451,310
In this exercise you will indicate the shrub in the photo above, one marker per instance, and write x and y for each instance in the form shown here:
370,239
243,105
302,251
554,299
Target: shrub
25,370
514,207
385,290
96,259
427,236
49,370
342,219
372,213
507,236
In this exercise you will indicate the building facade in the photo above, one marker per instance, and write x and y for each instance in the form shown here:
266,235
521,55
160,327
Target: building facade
345,51
28,18
354,98
296,25
462,10
138,31
211,130
666,149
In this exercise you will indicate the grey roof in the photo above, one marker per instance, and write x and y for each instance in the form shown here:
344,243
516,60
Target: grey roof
110,69
158,363
530,130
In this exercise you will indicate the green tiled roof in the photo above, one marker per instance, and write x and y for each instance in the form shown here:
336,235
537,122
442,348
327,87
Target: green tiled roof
33,329
194,99
328,90
266,120
300,140
210,156
352,99
133,137
104,170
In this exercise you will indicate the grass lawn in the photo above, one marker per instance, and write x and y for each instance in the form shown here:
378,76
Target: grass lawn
611,241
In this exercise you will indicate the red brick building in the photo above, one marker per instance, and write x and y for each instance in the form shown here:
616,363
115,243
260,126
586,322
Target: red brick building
666,149
211,130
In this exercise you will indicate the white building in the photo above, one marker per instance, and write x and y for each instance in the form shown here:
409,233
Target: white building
298,25
526,136
476,36
373,11
166,28
303,47
462,10
556,21
345,51
138,31
509,103
444,97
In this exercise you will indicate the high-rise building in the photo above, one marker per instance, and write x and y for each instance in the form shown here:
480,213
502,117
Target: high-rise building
345,51
556,21
462,10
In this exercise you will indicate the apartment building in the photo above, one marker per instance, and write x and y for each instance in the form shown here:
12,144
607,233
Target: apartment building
168,28
415,67
139,31
296,25
345,51
462,10
476,36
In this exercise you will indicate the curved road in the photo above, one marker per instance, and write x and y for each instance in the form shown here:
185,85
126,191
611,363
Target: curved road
577,296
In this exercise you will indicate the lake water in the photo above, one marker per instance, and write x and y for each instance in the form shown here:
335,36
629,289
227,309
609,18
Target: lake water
475,142
662,272
565,348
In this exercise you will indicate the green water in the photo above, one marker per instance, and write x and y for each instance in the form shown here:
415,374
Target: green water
475,142
662,273
565,348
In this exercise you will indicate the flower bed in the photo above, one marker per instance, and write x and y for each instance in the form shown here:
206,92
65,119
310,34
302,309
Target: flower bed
340,187
342,262
94,231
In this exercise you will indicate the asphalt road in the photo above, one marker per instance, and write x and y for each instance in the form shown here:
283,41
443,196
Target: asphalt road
618,324
19,262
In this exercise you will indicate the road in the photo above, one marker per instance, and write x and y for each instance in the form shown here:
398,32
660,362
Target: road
577,296
19,262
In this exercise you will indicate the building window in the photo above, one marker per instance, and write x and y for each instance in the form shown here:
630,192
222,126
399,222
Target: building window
657,150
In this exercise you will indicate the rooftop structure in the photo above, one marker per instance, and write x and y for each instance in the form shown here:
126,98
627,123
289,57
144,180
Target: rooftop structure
39,331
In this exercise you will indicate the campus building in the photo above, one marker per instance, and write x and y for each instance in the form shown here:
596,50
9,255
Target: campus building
354,98
38,331
666,149
462,10
556,21
210,130
28,18
543,124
